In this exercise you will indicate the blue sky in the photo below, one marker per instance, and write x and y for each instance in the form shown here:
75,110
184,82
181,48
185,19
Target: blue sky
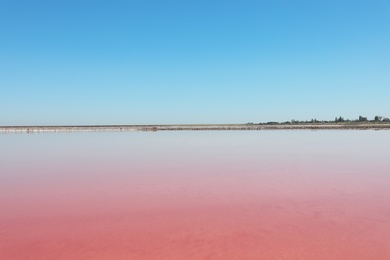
163,62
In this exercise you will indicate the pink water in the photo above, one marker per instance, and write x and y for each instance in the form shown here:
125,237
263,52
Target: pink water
196,195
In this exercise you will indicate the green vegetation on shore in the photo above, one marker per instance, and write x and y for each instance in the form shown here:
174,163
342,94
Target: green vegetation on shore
338,120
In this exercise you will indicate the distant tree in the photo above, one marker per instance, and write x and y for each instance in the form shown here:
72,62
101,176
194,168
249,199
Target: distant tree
378,118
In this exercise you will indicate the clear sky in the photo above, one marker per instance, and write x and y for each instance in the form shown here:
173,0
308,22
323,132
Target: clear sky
162,62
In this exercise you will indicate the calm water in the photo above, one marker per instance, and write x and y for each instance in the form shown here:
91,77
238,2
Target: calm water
196,195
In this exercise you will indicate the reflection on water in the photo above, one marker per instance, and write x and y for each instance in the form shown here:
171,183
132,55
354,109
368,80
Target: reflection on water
196,195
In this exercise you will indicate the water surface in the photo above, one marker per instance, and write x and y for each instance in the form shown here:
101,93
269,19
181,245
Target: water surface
195,195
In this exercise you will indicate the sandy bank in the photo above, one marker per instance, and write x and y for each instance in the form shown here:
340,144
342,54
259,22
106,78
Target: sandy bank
227,127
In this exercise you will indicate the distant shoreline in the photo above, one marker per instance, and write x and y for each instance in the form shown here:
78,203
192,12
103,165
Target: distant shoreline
193,127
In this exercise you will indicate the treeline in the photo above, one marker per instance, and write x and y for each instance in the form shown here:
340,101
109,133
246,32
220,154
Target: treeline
340,119
362,119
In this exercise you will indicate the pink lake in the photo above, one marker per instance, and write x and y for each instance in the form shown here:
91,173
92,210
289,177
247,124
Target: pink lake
196,195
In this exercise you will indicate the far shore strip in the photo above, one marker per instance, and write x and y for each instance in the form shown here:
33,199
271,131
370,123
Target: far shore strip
199,127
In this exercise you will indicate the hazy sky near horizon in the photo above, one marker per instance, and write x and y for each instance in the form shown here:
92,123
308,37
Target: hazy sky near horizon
162,62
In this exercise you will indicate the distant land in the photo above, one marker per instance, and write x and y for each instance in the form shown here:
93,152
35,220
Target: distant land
378,123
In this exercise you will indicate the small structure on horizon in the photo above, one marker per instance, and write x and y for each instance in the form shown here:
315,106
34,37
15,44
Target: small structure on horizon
362,118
